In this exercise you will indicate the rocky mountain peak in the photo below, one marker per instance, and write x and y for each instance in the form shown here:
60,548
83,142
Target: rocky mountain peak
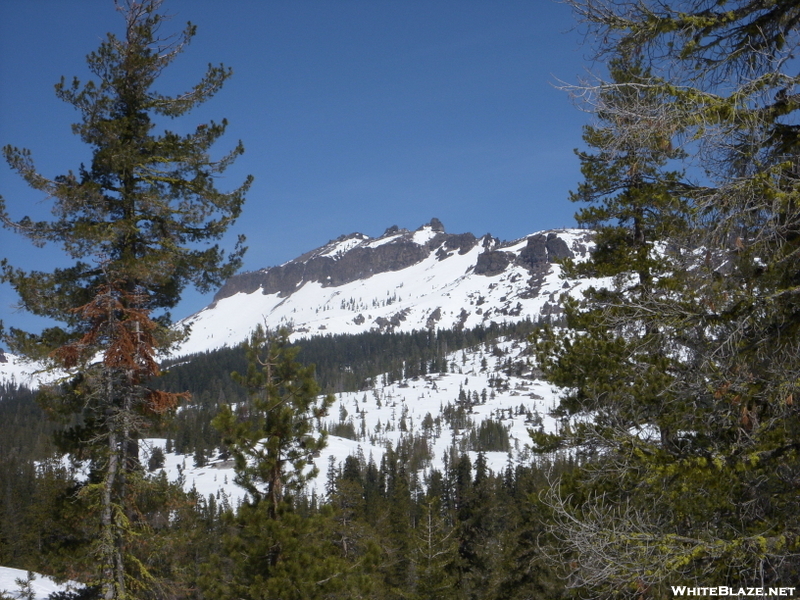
401,281
349,258
435,224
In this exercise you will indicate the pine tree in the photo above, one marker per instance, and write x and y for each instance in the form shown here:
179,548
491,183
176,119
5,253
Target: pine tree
275,550
680,393
640,216
137,214
632,201
435,553
271,437
398,524
136,223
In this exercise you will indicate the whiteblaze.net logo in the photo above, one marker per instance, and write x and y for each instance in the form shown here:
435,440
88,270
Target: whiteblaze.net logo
727,591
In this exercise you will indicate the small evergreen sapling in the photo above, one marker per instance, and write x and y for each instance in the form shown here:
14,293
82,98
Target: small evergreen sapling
272,436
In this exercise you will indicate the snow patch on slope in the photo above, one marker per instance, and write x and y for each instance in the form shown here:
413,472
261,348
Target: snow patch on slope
17,371
340,247
40,587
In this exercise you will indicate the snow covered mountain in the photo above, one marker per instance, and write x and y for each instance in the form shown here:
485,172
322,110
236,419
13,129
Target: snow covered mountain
401,281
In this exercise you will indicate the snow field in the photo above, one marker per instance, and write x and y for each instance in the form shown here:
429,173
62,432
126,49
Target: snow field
380,415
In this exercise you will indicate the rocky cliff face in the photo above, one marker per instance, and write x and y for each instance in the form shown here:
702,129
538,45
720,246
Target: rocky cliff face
539,251
352,257
400,281
357,256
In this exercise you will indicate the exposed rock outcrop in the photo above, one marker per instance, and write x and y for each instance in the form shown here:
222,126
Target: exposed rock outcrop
352,257
357,257
493,262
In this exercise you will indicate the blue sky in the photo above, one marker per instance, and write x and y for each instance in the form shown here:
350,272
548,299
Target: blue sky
355,114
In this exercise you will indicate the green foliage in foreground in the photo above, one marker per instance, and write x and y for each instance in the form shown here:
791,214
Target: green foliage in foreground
681,380
378,533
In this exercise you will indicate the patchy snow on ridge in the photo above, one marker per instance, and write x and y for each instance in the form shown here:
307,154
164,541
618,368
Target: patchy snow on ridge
340,247
423,235
374,243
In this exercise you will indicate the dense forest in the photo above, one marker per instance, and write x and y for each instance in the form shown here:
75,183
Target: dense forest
346,362
380,531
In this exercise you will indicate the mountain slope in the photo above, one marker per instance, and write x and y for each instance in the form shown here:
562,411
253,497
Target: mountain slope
486,401
400,281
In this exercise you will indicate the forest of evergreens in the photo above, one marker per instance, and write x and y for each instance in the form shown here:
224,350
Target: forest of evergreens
380,531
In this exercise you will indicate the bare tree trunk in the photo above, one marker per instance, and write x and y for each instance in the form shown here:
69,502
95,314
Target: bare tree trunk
109,553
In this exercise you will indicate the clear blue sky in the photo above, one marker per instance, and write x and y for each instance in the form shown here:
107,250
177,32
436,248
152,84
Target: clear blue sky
356,114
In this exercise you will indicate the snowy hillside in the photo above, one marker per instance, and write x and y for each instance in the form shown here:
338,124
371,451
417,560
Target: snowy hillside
401,281
491,382
19,372
494,381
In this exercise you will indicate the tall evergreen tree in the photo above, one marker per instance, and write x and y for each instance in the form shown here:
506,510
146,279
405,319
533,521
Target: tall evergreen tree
136,222
435,553
272,436
632,200
635,207
681,394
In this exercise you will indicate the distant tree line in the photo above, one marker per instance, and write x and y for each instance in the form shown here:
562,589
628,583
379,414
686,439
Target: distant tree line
347,362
